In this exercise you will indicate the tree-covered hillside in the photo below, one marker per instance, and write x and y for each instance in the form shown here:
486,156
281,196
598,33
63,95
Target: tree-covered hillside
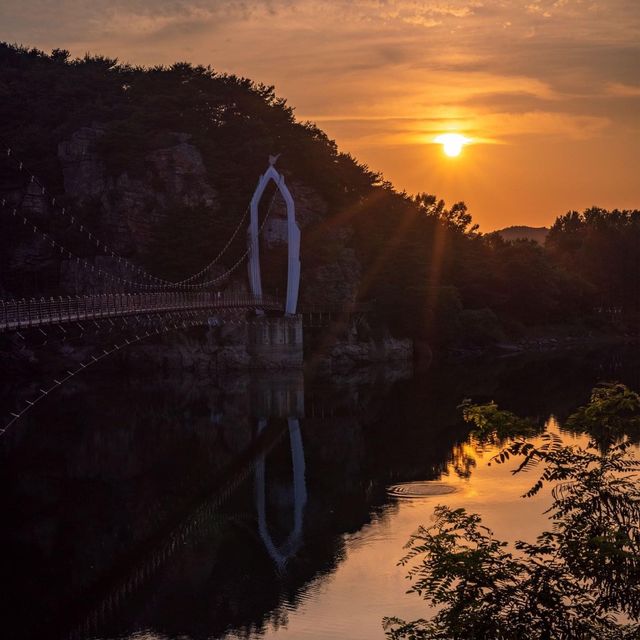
431,274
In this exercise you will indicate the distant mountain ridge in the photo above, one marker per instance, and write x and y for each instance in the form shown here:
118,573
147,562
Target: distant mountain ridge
537,234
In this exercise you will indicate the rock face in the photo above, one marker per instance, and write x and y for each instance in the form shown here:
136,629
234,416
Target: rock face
336,282
192,351
83,170
349,355
132,208
26,257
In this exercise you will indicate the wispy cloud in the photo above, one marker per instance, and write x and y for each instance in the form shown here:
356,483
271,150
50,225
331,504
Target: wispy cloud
618,89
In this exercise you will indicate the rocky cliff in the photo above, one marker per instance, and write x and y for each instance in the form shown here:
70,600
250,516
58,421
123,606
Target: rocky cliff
128,211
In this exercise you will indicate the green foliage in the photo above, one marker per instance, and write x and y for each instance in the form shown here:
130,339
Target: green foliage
577,580
601,247
613,411
457,218
480,327
494,425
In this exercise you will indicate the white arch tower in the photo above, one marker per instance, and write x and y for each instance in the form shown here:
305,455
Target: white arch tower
293,239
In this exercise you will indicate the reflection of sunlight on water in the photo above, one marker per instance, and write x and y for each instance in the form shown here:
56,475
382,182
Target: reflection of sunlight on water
467,456
367,584
553,426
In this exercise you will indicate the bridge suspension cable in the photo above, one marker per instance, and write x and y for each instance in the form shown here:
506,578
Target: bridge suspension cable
207,267
89,267
70,373
81,227
160,283
26,221
17,213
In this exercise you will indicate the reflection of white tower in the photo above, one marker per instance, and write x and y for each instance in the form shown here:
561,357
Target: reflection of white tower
293,239
281,554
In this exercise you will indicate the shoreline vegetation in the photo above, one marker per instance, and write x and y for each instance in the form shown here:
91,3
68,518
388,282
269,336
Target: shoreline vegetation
563,339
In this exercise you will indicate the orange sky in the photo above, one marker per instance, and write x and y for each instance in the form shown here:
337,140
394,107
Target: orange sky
549,90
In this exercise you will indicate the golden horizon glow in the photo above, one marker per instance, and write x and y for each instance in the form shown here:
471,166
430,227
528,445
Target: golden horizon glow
452,143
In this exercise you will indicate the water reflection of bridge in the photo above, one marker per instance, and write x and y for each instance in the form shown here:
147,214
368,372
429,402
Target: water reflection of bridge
283,552
180,482
280,396
273,399
277,395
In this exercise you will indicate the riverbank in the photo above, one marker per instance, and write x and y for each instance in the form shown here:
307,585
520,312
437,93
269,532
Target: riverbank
540,341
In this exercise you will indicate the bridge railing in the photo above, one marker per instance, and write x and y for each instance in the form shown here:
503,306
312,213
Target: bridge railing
18,314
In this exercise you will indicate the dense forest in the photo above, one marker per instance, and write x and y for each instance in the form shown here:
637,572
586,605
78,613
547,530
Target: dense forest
428,270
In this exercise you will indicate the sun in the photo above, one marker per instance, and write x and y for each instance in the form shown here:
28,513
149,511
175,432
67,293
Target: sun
452,143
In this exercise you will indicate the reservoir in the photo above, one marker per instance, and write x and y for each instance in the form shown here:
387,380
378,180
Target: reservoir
266,505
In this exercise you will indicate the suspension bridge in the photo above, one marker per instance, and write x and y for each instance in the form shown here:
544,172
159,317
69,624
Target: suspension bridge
143,292
125,289
146,305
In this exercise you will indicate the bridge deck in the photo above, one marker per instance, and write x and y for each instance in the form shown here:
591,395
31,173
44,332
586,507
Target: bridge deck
22,314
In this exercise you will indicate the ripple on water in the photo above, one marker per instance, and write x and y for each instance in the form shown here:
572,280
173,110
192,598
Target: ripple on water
423,489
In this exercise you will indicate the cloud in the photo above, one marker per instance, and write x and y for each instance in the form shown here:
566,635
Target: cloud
481,128
382,73
537,9
545,123
621,90
423,21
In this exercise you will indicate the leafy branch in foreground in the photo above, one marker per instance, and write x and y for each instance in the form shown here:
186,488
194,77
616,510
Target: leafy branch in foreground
578,580
493,425
613,411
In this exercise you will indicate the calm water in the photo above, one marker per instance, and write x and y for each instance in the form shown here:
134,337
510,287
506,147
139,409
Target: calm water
256,506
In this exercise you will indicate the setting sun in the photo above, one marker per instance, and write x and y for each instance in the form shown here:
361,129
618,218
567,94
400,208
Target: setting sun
452,143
